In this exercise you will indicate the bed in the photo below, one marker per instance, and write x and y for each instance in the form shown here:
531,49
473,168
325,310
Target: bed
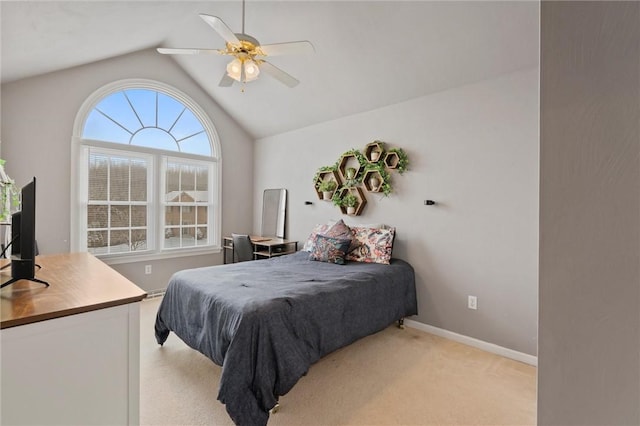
267,321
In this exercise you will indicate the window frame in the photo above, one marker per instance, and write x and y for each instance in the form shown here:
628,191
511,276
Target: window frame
163,204
79,180
149,203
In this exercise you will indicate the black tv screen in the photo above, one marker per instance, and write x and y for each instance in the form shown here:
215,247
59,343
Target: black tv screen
23,229
15,233
28,222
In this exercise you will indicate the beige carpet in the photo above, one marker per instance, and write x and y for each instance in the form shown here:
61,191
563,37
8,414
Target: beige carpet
395,377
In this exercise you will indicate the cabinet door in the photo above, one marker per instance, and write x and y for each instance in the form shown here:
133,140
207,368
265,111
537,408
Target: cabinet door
80,369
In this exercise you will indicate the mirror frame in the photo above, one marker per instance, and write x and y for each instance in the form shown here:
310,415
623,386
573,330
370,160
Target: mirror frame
274,209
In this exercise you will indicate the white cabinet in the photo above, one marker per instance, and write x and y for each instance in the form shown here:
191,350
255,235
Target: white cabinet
70,352
82,369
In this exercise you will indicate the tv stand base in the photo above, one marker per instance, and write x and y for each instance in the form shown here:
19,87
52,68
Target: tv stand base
13,280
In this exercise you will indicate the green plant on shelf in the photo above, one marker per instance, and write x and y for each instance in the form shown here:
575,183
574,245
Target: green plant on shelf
352,177
350,200
357,154
342,198
351,172
376,151
327,185
322,170
337,198
9,194
385,185
403,160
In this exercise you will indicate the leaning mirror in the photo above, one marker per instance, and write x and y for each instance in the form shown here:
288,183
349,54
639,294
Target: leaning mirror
274,206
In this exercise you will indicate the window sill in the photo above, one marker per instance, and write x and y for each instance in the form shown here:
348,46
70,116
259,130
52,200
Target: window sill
116,259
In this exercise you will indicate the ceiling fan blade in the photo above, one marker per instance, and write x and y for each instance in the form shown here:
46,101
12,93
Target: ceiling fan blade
226,81
278,74
188,51
292,48
221,28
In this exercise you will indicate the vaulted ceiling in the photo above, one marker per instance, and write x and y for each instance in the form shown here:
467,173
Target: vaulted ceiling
368,54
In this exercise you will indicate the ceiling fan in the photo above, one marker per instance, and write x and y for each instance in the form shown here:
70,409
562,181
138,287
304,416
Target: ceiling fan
248,54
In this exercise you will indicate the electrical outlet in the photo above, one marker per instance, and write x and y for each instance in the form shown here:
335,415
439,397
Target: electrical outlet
147,269
472,302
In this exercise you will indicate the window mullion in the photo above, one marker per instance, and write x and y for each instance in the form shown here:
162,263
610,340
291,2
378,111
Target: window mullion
108,202
152,204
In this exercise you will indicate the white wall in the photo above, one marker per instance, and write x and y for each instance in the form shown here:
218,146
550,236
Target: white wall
37,123
589,360
474,150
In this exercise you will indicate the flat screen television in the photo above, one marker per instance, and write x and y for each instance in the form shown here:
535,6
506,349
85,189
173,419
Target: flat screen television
23,234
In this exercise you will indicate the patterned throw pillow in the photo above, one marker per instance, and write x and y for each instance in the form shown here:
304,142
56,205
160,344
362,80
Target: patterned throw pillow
320,228
327,249
341,231
376,245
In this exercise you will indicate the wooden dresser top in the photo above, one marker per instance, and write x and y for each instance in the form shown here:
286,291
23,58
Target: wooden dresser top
78,282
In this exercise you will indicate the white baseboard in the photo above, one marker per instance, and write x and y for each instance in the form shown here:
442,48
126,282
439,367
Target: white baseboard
480,344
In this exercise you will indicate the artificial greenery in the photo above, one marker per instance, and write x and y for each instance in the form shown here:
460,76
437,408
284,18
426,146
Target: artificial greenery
9,195
362,160
337,197
403,160
385,185
356,153
379,150
343,196
316,179
327,185
350,200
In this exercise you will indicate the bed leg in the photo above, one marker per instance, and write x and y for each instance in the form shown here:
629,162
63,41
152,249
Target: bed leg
275,408
401,323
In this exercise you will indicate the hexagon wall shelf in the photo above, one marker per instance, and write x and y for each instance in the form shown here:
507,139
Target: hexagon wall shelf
374,147
366,181
391,160
344,163
367,168
326,175
359,194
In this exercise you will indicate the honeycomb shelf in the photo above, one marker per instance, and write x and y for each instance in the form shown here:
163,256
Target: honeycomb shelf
373,166
367,181
362,200
391,160
346,161
326,175
372,149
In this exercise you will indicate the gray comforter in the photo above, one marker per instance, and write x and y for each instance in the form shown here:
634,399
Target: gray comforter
265,322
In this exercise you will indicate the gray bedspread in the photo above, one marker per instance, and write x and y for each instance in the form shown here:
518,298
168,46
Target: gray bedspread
265,322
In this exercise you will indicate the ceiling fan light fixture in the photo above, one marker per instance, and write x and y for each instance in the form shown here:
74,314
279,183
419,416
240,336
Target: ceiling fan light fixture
247,54
251,70
234,69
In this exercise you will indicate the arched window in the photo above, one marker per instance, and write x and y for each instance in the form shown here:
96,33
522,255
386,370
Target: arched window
148,174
